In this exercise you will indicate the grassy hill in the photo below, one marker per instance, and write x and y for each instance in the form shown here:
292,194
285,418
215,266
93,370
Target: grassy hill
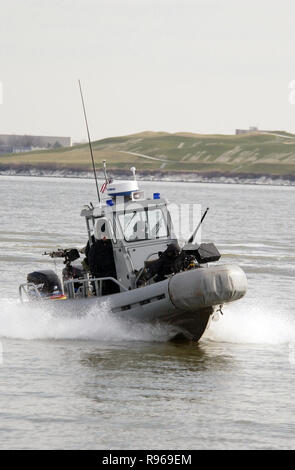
257,153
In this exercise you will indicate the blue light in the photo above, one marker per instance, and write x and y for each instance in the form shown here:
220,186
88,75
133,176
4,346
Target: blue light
109,202
156,195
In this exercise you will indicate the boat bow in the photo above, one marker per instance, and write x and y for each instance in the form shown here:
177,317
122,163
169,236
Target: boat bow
208,286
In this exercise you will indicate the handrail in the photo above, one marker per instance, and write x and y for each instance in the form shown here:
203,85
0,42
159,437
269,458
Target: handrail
23,288
97,283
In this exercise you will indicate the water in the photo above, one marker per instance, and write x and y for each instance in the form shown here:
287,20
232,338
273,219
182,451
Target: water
99,383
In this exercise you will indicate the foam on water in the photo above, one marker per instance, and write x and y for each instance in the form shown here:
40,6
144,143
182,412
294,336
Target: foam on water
253,322
242,322
25,321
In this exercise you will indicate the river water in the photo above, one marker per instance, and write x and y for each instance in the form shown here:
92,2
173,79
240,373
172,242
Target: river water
98,383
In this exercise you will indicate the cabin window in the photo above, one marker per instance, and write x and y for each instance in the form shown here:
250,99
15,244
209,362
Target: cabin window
146,224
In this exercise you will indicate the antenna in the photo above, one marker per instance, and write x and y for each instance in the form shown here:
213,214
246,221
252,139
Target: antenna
105,171
191,239
133,170
89,140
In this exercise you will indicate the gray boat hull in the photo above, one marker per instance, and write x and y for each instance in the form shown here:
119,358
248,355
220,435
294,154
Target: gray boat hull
184,302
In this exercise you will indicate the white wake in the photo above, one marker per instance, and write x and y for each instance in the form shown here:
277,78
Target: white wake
253,321
39,322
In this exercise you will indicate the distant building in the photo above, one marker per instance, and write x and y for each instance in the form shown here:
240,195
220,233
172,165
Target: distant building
25,143
251,129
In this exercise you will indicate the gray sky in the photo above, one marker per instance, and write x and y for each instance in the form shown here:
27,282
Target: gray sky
165,65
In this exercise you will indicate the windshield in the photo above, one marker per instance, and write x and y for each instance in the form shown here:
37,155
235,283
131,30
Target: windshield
147,224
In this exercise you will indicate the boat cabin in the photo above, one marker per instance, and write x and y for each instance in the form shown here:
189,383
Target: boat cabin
138,228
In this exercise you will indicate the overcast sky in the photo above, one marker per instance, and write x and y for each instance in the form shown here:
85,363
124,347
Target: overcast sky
205,66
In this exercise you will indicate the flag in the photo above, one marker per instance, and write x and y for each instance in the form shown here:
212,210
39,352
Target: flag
104,187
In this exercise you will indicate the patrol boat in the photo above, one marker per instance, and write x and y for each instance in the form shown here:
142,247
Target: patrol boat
133,262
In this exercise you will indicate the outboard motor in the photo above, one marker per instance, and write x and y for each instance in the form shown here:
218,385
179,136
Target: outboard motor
46,281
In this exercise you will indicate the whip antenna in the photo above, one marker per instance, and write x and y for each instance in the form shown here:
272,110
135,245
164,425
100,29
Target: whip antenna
191,239
89,141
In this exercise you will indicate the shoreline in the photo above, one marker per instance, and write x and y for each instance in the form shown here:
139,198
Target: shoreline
164,176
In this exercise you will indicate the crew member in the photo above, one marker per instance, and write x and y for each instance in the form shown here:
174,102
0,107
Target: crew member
100,258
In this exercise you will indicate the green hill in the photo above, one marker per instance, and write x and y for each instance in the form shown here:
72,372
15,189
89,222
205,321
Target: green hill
257,153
